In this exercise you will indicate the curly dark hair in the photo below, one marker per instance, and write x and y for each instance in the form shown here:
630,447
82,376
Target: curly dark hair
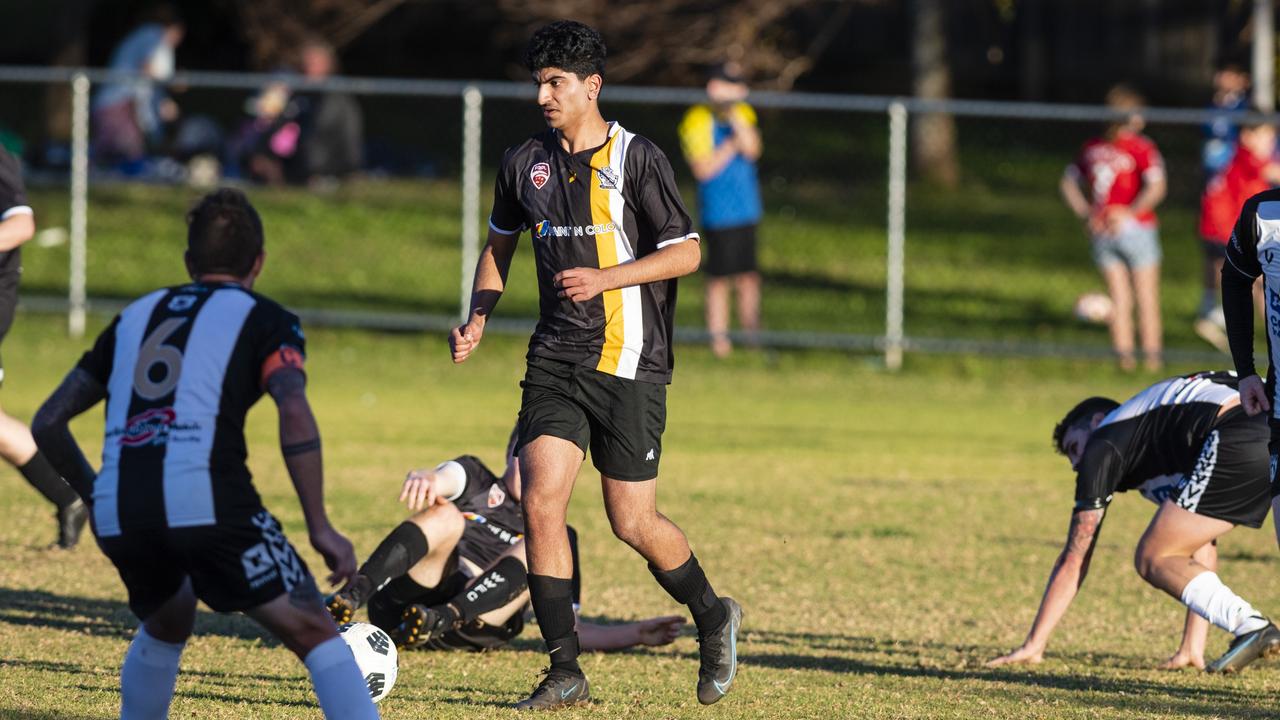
224,233
567,45
1081,416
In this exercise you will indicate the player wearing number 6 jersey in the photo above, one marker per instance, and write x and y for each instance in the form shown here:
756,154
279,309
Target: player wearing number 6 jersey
173,506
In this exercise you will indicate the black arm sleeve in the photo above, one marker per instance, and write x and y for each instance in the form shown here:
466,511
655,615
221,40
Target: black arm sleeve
1238,273
1237,307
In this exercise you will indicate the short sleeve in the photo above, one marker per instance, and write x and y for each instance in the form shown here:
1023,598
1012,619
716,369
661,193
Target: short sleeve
1242,249
1150,162
746,113
283,344
1098,474
658,197
99,359
697,133
13,193
507,217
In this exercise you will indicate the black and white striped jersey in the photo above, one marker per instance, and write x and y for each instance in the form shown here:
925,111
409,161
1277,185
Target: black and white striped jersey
182,366
13,202
1253,252
1157,432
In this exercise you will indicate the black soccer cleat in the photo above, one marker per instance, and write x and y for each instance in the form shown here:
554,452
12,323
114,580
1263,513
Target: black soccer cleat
558,689
1261,643
418,625
719,655
71,521
343,604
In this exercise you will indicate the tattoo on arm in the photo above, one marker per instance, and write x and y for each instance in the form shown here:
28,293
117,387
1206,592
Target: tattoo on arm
300,448
1084,532
78,392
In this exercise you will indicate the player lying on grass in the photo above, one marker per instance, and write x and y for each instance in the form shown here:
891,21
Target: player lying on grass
1194,427
453,576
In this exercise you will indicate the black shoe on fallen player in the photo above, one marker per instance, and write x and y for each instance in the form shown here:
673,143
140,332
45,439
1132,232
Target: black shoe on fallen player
71,520
719,653
559,688
343,604
419,624
1261,643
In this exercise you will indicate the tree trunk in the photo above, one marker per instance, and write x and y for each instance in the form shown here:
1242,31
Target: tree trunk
934,134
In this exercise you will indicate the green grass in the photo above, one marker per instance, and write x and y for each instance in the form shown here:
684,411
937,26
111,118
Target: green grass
886,534
1000,259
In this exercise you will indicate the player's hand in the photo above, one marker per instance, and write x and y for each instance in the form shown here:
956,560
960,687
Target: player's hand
338,553
580,284
419,491
1253,395
659,630
1023,654
1181,659
464,339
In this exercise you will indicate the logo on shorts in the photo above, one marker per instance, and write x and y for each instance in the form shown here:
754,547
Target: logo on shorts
653,455
496,496
539,174
608,178
257,562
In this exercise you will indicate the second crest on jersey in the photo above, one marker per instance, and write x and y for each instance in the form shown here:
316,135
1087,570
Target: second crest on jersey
539,174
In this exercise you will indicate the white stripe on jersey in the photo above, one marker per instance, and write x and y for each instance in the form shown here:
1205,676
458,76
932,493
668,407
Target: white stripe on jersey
128,340
1267,227
188,486
1175,391
632,306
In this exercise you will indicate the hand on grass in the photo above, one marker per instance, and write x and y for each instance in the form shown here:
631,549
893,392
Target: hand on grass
1181,659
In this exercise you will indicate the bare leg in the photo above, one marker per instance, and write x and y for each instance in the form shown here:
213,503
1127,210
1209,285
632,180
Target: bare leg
1165,556
1121,325
718,315
747,286
443,525
633,513
1196,628
1146,283
549,466
16,444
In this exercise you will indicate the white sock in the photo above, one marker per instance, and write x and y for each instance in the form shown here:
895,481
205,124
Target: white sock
1207,597
147,678
339,685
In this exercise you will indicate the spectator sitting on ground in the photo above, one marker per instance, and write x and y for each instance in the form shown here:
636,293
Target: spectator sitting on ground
1124,173
331,126
128,115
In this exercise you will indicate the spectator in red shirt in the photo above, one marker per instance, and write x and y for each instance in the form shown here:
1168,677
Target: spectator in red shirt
1252,169
1123,174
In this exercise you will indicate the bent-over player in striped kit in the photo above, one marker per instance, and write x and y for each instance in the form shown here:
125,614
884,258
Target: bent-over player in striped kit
173,505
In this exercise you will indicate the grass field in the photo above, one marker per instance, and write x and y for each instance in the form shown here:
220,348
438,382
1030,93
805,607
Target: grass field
886,534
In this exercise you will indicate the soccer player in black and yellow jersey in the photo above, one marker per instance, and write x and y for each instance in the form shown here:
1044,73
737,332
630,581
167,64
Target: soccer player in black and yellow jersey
610,236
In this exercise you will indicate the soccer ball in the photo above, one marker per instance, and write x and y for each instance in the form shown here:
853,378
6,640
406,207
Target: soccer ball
375,656
1094,308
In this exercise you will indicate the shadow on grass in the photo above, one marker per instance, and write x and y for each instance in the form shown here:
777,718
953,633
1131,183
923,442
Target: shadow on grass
108,618
18,714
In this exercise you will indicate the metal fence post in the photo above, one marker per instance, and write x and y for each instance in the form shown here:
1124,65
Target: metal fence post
893,334
472,101
79,203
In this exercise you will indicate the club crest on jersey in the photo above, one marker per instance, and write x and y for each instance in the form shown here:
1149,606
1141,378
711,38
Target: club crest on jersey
608,178
148,428
496,496
539,174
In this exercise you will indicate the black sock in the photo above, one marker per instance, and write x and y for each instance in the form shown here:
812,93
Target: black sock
388,604
400,550
689,586
489,591
552,599
40,473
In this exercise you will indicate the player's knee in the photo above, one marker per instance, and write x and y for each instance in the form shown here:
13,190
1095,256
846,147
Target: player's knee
1144,561
630,529
308,629
440,522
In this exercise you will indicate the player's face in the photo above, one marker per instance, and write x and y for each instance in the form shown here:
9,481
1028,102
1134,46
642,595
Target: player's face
564,97
1073,443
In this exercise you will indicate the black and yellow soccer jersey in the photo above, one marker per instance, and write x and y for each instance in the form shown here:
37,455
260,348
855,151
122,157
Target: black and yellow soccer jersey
597,208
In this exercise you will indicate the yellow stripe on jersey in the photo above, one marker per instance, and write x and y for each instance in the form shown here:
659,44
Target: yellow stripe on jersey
607,252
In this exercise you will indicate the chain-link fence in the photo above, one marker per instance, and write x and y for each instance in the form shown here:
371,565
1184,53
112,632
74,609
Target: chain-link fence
856,252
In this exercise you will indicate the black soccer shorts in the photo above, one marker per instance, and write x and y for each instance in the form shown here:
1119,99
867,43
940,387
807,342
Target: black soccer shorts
1231,479
729,251
621,421
233,566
